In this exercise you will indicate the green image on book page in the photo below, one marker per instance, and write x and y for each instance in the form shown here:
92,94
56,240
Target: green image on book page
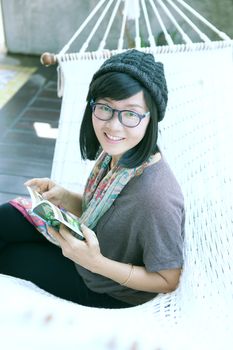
45,212
71,220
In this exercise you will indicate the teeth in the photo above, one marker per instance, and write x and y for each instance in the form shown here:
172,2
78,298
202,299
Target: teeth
114,138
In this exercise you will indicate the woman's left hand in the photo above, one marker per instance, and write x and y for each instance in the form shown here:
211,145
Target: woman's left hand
85,253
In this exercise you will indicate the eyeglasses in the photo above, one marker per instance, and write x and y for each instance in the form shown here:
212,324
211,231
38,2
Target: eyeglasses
126,117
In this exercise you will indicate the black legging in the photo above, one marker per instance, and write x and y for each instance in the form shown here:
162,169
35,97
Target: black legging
27,254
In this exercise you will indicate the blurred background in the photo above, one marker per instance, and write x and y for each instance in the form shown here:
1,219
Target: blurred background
29,106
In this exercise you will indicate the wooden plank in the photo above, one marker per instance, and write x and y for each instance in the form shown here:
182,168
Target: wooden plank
20,167
20,138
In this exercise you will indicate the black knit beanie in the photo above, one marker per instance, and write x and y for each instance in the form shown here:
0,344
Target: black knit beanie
142,67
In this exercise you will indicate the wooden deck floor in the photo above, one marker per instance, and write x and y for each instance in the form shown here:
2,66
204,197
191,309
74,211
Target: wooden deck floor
24,154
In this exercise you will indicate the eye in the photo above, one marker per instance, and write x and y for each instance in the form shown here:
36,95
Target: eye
130,114
104,108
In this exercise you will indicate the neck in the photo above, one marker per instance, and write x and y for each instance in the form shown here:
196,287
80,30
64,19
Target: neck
114,161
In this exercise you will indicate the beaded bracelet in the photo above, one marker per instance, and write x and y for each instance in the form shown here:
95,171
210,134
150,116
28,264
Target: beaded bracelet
129,277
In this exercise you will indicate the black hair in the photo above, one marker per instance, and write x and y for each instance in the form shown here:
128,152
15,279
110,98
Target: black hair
118,86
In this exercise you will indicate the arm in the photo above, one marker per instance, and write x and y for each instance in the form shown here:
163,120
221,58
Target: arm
136,277
87,254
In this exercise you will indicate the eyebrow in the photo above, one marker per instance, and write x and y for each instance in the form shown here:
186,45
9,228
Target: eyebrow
133,105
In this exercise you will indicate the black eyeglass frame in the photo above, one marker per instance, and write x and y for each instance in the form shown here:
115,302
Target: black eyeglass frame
93,104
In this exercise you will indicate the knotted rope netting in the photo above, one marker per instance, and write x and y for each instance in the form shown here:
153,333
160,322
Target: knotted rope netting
196,137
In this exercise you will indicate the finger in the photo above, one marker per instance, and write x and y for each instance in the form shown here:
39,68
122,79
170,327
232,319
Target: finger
33,182
55,234
48,194
66,234
51,194
89,235
40,184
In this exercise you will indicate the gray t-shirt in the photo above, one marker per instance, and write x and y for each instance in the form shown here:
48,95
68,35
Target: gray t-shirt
144,227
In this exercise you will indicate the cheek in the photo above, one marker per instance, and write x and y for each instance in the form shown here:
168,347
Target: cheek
95,124
135,136
141,130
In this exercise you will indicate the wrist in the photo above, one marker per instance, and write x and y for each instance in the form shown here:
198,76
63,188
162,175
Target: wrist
121,273
100,263
130,274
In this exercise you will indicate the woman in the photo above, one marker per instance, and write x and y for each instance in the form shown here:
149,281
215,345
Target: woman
132,208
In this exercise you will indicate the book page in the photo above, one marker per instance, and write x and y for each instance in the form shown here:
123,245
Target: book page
35,196
53,215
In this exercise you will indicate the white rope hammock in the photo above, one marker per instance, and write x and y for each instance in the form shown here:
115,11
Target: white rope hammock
196,137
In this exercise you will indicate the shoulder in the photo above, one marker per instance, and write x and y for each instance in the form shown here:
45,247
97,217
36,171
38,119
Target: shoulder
157,184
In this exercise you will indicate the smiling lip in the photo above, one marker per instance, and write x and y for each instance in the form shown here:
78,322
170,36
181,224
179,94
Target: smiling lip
113,139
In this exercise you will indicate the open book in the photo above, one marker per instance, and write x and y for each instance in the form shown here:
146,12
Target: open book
53,215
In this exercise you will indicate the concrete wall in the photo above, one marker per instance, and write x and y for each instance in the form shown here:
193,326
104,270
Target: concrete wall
2,37
36,26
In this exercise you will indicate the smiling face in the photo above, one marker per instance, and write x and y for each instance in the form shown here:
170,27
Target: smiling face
115,138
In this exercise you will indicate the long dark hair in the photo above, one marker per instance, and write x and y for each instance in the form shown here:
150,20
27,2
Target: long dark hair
118,86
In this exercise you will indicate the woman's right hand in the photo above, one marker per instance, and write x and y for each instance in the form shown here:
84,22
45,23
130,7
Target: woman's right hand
49,190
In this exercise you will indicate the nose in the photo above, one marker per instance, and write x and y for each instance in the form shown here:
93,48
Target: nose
114,121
